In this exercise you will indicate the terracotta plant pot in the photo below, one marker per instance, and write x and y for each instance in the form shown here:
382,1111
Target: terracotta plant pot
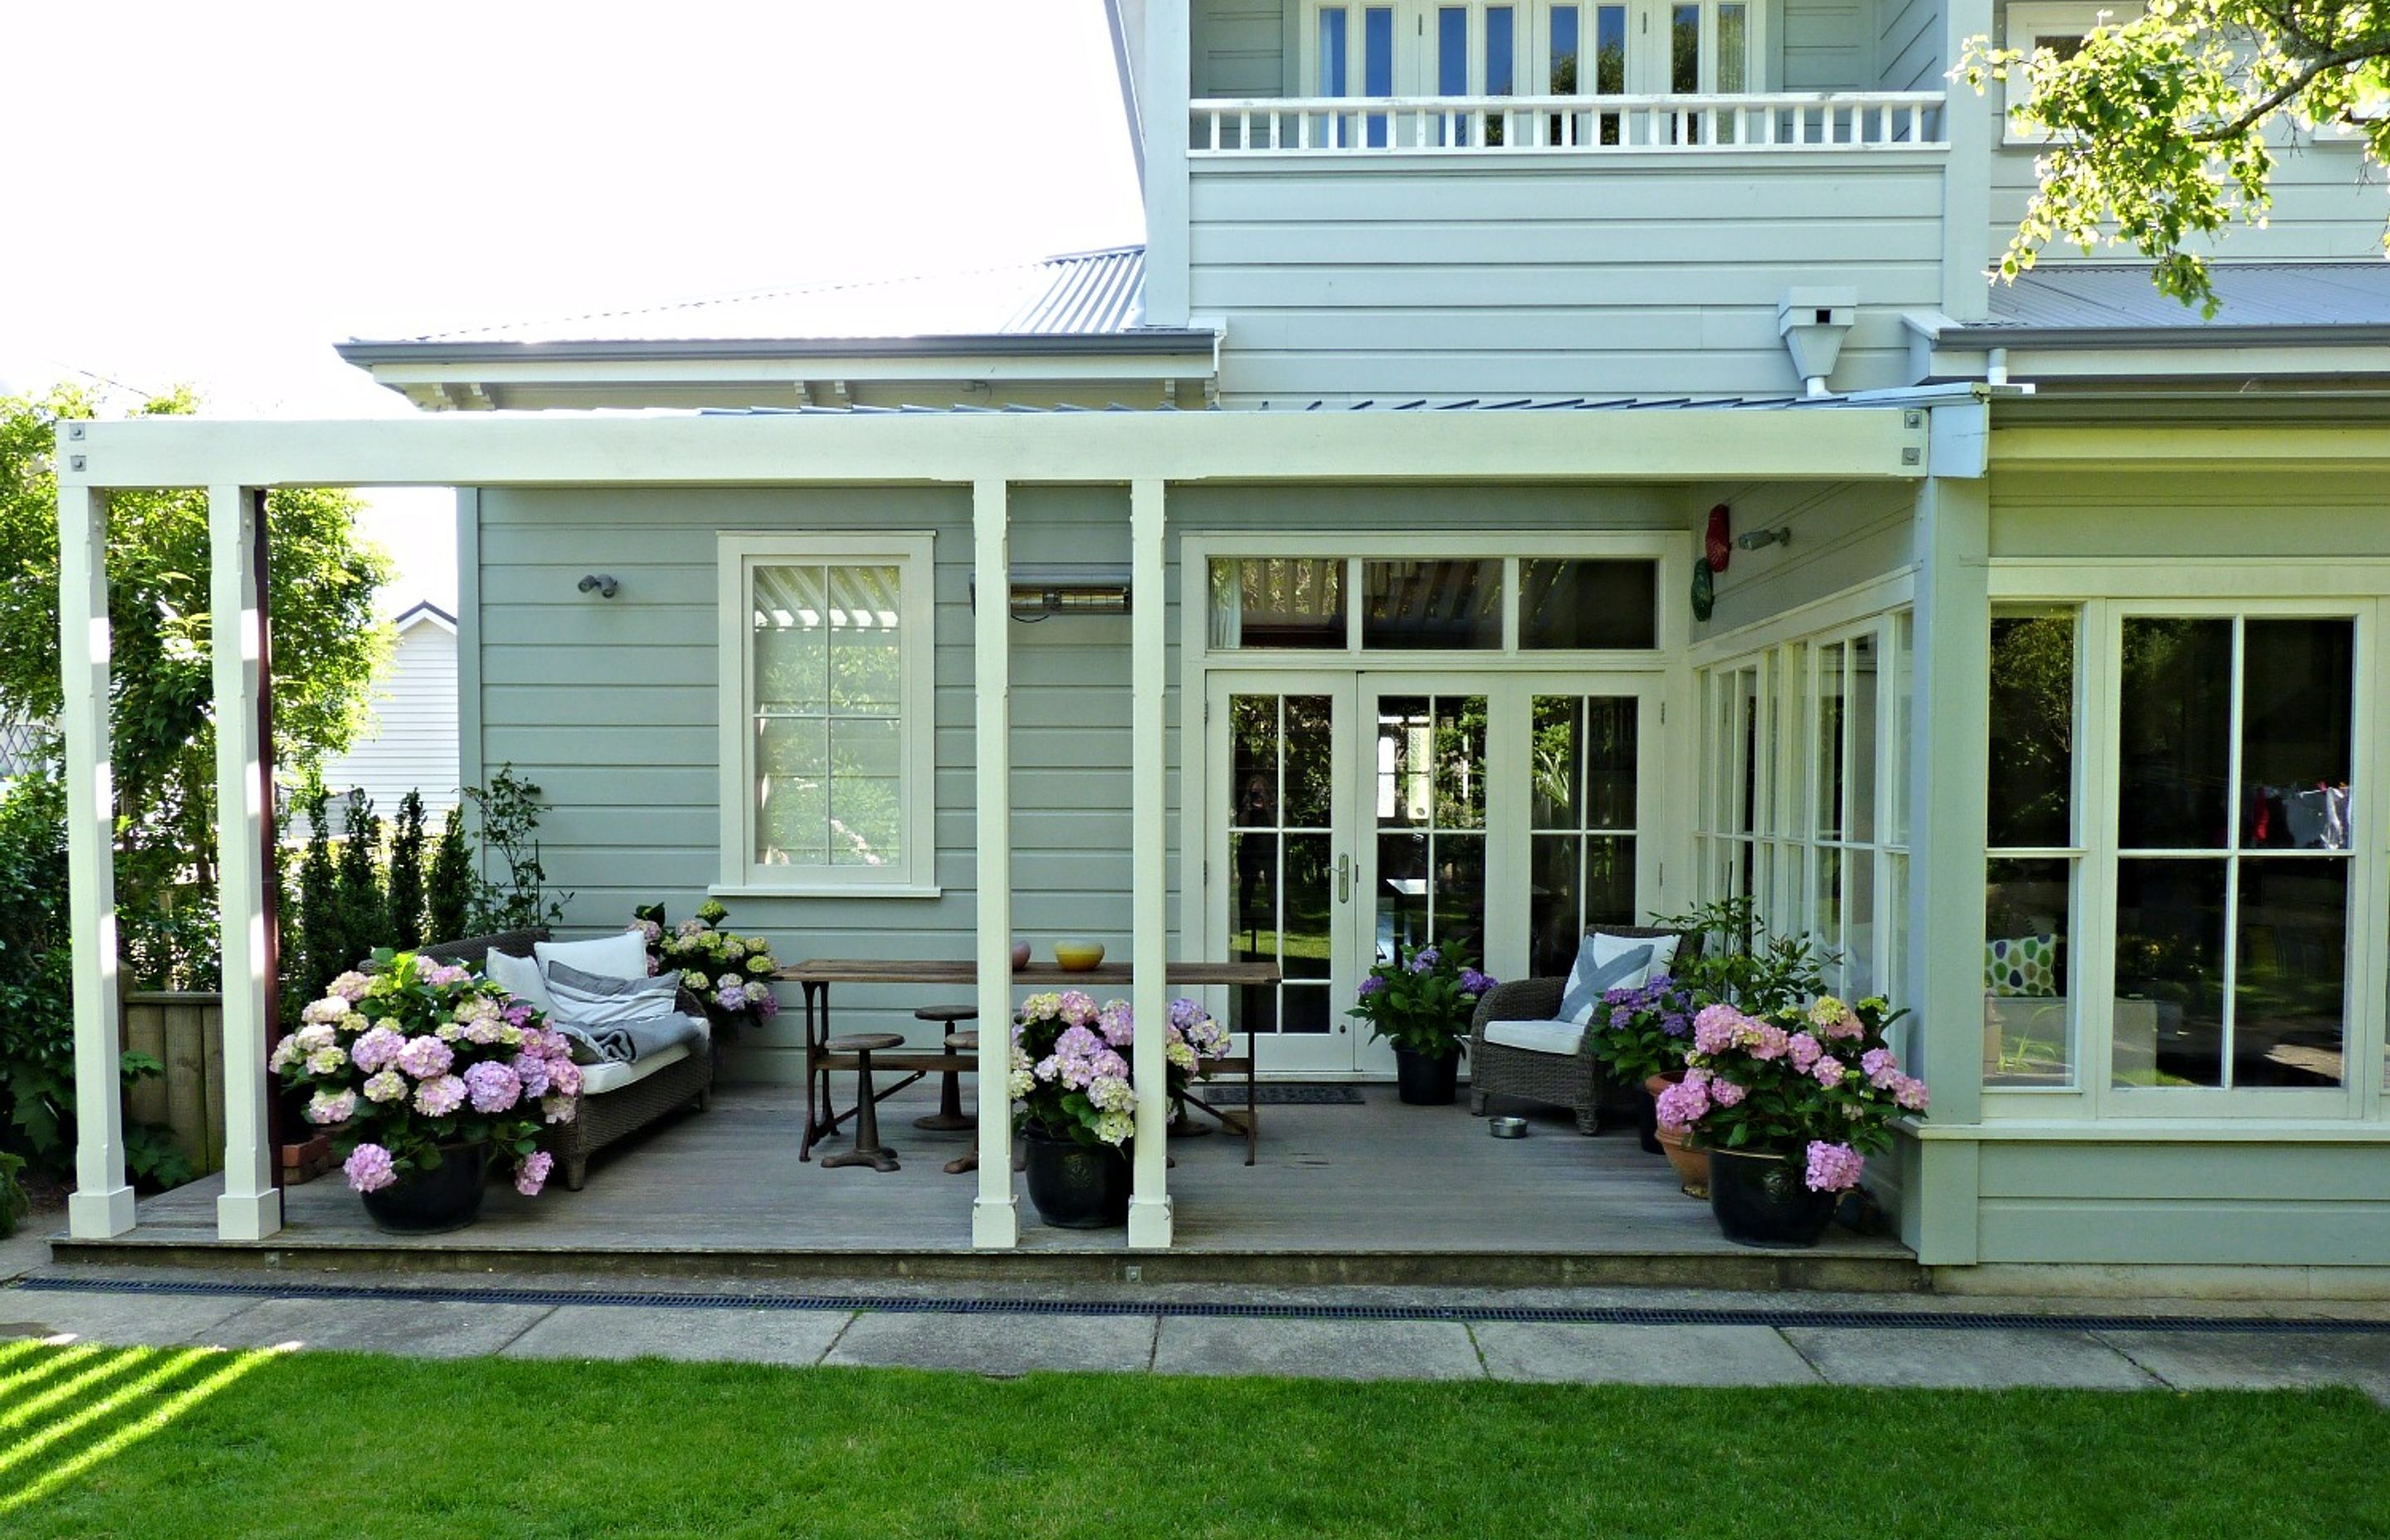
1693,1165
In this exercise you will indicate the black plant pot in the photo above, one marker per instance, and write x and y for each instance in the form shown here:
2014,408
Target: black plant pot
1076,1188
448,1197
1761,1197
1647,1125
1426,1080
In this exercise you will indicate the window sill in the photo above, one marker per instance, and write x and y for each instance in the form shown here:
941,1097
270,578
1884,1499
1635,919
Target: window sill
825,889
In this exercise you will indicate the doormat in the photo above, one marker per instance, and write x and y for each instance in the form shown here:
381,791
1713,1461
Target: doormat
1284,1096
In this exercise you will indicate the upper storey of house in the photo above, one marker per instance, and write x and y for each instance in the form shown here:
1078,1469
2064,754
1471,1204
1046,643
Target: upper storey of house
1446,199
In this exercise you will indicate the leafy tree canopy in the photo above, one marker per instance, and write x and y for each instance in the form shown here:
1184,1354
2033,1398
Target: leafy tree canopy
2165,126
327,641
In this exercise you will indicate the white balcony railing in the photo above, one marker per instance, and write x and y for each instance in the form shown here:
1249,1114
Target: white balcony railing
1776,121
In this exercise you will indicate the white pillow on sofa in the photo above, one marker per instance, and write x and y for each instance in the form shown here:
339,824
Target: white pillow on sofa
620,955
520,978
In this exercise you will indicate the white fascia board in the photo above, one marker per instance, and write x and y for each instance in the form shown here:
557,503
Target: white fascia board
602,449
748,371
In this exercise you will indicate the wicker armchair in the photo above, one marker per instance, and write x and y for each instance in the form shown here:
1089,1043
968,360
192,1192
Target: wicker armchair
1576,1081
607,1116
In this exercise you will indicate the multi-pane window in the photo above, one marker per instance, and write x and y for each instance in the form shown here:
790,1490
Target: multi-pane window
2032,854
825,760
1582,839
1801,807
2234,739
1429,816
1279,839
1519,604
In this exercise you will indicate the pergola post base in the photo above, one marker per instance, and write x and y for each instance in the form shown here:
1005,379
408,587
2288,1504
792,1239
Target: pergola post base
98,1216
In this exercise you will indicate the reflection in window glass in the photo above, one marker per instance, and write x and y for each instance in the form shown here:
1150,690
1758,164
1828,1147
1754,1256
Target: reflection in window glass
2175,734
1733,46
1278,601
1588,604
2168,1022
1581,843
2032,758
1904,651
1501,50
2029,1009
2295,726
1437,605
1610,50
1828,728
1565,50
1331,50
1859,766
827,664
1685,50
1430,822
1452,69
1279,855
2291,945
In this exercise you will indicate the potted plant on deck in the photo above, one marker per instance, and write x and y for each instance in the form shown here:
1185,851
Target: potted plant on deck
1073,1085
1423,1007
1789,1106
732,974
427,1074
1640,1034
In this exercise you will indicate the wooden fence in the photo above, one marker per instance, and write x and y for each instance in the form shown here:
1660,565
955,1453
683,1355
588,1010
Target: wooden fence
185,1032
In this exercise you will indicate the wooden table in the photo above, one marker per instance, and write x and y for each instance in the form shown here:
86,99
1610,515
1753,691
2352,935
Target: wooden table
815,976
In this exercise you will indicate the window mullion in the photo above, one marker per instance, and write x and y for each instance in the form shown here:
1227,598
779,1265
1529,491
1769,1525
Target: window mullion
2233,852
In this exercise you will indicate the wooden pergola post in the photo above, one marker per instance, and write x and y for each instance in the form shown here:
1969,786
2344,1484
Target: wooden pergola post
1149,1209
994,1221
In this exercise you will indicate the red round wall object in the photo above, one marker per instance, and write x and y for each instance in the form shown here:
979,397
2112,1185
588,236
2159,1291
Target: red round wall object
1718,543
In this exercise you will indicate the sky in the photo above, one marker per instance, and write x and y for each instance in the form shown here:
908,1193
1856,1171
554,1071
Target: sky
215,195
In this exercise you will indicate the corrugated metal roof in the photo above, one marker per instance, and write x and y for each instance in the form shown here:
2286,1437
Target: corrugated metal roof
1082,294
2111,296
1921,395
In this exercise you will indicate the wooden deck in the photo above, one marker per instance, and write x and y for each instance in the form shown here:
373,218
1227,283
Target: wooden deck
1376,1193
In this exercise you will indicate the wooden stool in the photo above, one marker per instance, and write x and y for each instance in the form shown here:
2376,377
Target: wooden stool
867,1150
950,1115
960,1042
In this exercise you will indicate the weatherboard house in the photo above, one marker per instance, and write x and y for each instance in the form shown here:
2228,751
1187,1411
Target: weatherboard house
1549,463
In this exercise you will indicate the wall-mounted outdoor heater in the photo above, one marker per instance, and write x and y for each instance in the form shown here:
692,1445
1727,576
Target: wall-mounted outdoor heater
1042,592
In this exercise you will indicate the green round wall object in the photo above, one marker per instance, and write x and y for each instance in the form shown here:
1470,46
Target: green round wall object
1704,589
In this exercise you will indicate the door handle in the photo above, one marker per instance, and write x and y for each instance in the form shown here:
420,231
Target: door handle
1344,878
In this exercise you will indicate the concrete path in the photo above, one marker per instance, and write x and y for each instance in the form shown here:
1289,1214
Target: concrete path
732,1327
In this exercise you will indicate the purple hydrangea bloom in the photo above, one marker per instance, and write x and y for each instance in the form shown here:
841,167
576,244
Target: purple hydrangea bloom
532,1174
440,1095
1833,1167
1475,982
377,1049
425,1057
370,1168
531,1073
1371,985
493,1086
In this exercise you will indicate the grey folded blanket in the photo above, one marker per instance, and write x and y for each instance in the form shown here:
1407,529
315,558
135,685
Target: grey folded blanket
629,1042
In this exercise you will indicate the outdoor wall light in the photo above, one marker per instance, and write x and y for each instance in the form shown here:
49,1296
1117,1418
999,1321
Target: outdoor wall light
600,584
1758,539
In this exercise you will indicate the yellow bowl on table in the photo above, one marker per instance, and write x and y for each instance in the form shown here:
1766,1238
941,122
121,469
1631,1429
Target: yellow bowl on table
1078,956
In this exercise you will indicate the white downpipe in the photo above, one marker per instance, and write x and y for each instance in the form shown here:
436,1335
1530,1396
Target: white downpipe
102,1204
249,1208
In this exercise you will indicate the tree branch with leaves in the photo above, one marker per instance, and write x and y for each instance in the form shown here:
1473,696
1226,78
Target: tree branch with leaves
2165,128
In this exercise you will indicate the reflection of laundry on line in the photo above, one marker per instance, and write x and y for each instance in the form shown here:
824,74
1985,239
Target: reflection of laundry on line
2316,818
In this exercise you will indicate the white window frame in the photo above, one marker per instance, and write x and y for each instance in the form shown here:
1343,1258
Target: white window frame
2029,21
738,555
1415,37
2106,593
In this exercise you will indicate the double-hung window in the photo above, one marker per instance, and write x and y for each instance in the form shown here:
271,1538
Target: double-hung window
826,748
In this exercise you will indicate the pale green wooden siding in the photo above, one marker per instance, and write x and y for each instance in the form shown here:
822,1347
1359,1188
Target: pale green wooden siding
1393,280
610,705
2135,514
1824,45
2293,1205
1842,535
1239,49
1908,45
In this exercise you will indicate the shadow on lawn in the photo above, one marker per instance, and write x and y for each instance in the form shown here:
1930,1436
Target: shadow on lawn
69,1404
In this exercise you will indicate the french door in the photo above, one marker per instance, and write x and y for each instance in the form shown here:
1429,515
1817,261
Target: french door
1362,815
1545,47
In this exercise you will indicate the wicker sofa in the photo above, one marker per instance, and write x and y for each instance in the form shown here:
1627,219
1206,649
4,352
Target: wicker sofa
1576,1079
619,1104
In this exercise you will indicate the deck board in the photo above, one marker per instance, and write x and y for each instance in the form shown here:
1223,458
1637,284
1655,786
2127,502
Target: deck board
1335,1185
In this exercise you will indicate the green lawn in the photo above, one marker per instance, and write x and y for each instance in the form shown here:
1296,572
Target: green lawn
187,1445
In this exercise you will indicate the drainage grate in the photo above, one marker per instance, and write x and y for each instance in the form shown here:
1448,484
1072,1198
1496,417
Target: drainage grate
1929,1320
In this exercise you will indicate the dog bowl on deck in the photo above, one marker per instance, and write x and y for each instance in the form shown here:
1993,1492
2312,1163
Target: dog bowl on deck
1507,1128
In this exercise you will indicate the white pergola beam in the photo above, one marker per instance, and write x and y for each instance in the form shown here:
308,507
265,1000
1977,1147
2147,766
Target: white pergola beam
994,1222
1149,1209
491,449
102,1203
250,1207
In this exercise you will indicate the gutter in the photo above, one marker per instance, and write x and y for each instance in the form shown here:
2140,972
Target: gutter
2057,339
366,353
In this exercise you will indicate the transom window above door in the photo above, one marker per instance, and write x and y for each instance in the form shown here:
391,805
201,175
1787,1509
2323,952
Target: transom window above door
1545,47
1522,605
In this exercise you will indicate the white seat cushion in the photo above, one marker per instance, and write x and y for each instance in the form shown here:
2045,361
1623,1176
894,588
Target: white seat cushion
620,955
1560,1037
598,1079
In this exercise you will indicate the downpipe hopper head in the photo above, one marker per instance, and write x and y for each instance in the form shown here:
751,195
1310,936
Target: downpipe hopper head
1813,323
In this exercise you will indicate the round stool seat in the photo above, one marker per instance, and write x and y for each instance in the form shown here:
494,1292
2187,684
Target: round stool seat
866,1042
963,1042
946,1013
